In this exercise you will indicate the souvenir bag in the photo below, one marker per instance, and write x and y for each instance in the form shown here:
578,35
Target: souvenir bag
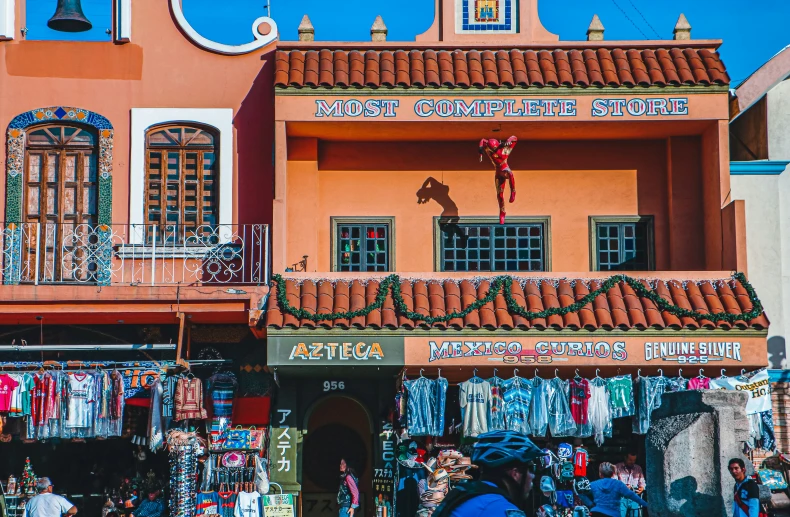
237,438
773,479
256,438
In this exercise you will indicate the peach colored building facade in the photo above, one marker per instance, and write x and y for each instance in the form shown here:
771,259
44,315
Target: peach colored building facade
621,167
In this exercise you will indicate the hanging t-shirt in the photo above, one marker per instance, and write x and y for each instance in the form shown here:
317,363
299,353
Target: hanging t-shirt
758,387
227,503
15,409
82,398
497,404
517,397
699,383
248,505
621,390
207,504
7,387
475,398
580,462
580,396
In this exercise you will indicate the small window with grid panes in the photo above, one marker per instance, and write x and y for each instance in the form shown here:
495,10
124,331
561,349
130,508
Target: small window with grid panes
623,245
363,247
492,247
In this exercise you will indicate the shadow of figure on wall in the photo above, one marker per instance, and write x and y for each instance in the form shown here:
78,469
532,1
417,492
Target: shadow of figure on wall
694,503
433,189
777,354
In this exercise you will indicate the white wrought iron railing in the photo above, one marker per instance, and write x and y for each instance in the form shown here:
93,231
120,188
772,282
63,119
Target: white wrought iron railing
132,254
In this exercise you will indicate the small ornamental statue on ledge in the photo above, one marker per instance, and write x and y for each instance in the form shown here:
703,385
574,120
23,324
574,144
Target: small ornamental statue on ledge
499,151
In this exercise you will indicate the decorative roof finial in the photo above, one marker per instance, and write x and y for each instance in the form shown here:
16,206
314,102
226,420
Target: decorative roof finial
595,30
378,32
682,28
306,30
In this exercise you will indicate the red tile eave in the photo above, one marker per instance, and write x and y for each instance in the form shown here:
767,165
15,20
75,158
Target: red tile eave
711,44
436,294
432,275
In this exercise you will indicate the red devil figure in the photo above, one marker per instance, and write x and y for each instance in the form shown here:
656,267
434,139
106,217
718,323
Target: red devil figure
499,152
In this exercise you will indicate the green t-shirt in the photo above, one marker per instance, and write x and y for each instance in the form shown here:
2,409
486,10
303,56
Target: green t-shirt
620,389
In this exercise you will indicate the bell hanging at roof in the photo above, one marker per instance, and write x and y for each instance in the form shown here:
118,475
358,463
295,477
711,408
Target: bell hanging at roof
69,17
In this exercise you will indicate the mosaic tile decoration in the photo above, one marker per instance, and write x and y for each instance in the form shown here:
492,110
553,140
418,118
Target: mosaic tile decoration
485,16
15,155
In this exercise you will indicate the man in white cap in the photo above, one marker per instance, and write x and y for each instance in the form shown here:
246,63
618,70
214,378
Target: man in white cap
47,504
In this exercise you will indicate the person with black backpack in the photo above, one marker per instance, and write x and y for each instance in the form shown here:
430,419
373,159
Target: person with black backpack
507,468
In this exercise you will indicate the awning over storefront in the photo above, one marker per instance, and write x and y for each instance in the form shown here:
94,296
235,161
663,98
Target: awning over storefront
517,321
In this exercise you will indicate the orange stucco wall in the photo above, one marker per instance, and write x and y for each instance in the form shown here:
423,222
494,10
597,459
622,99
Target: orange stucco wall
565,180
160,68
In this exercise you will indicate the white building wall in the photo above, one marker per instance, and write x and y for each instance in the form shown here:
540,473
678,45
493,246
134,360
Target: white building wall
768,228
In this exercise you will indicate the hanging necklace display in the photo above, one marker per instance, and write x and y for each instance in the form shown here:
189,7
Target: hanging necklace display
184,449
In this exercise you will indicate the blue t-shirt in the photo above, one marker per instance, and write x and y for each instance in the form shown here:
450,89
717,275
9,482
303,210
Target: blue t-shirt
487,505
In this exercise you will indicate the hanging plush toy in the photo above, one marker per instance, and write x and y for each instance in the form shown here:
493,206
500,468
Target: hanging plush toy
499,152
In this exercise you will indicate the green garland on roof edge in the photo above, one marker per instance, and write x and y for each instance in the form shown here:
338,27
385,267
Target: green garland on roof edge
502,284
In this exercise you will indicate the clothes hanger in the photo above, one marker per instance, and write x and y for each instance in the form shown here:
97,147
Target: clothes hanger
536,375
660,372
440,373
680,373
577,376
495,370
638,372
515,372
556,373
596,373
722,376
421,370
700,376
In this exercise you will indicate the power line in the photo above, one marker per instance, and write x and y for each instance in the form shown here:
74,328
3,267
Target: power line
629,19
645,19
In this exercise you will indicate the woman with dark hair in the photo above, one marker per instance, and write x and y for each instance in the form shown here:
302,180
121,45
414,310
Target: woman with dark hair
607,492
348,493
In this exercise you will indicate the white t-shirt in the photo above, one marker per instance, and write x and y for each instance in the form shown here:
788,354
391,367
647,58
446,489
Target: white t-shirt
248,505
16,395
81,400
476,402
47,505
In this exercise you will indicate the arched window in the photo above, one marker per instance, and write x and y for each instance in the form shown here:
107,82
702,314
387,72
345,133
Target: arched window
181,179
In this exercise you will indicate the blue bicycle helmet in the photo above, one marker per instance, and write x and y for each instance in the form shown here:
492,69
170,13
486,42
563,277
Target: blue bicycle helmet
498,448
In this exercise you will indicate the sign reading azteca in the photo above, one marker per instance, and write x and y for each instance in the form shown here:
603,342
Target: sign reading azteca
433,351
508,108
335,350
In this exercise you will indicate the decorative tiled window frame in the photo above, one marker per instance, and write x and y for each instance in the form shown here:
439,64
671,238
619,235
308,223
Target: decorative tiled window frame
15,168
15,155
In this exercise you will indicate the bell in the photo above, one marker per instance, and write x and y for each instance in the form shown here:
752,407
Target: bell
69,17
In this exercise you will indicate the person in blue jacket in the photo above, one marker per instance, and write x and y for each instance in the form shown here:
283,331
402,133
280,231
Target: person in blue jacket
507,468
606,493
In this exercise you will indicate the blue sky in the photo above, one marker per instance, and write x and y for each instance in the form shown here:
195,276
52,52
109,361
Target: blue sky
752,32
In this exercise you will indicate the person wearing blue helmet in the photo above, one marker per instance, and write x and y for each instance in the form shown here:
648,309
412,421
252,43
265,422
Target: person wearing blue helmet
506,461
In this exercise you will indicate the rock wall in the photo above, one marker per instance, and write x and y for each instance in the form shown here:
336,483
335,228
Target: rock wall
691,440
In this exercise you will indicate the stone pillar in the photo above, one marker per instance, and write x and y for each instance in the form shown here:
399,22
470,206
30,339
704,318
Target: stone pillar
692,437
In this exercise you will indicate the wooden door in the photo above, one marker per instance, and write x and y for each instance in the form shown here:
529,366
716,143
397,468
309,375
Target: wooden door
60,194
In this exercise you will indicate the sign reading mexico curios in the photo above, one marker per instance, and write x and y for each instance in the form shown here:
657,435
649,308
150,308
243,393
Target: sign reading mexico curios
506,108
585,351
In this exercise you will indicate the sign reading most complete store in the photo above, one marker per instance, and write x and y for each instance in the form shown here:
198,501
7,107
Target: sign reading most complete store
510,108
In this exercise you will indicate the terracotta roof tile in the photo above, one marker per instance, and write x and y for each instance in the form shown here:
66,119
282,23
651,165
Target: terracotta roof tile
387,64
619,308
498,68
311,68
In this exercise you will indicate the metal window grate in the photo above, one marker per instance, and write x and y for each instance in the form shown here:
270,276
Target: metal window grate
622,246
475,247
363,247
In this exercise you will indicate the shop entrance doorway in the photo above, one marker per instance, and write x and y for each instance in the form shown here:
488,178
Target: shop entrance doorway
337,427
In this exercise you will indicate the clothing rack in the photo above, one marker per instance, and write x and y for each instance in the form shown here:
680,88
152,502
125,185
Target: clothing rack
78,366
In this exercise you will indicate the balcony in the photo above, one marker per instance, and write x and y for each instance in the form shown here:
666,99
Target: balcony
134,254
